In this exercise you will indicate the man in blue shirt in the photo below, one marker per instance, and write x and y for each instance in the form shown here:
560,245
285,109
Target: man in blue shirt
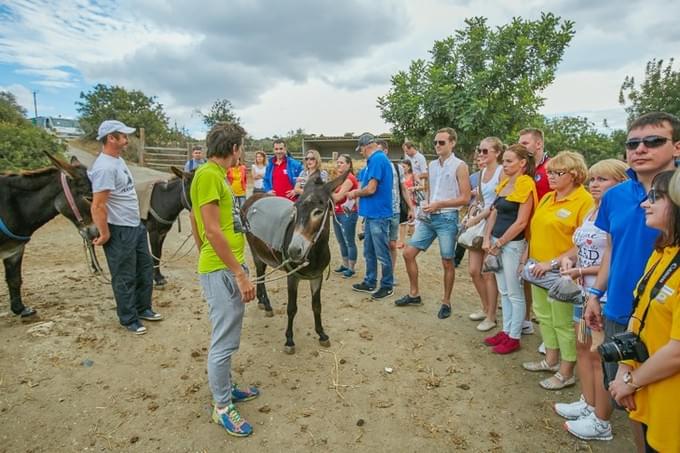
652,146
196,160
376,208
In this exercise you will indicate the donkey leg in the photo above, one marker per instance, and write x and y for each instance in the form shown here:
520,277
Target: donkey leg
292,311
13,278
262,297
156,239
315,286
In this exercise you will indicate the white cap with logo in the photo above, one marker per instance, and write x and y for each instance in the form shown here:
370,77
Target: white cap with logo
110,126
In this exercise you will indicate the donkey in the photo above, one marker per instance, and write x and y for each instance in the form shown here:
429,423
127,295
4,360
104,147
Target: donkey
168,199
303,252
30,199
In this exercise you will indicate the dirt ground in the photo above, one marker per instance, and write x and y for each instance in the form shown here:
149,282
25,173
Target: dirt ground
394,379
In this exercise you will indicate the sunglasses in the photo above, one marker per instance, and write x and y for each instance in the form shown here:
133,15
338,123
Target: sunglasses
310,158
650,141
654,195
557,173
483,151
439,142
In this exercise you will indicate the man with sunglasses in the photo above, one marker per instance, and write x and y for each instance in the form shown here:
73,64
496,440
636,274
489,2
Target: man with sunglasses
449,190
652,146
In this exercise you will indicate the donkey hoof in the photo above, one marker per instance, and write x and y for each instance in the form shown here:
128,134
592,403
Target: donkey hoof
325,343
269,313
289,349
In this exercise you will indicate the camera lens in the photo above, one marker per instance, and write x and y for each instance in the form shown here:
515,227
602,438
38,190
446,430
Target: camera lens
610,352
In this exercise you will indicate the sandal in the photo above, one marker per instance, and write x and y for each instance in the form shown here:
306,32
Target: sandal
540,366
557,382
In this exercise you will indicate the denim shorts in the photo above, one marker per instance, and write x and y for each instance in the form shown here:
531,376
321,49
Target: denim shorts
394,227
442,226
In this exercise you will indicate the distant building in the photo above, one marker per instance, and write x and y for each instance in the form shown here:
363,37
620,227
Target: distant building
61,127
345,145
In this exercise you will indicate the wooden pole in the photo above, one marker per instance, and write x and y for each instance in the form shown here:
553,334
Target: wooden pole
142,143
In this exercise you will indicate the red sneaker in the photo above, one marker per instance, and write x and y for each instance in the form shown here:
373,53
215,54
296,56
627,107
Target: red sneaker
508,346
497,339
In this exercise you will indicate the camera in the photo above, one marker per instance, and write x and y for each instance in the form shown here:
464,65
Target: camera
623,346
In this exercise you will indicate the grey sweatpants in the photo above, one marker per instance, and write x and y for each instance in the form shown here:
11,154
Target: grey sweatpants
226,317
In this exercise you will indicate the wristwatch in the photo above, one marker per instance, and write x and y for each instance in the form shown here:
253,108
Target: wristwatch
554,264
628,380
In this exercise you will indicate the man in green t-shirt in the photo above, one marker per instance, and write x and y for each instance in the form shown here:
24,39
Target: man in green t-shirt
217,230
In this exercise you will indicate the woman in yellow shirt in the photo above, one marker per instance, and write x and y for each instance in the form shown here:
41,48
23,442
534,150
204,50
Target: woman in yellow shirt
558,215
650,390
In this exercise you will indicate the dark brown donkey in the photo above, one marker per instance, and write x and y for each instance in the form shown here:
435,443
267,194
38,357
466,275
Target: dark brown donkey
30,199
303,252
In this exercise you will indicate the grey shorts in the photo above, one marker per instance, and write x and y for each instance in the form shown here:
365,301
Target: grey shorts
394,227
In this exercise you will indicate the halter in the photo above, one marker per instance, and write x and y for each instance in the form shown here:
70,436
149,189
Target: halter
69,198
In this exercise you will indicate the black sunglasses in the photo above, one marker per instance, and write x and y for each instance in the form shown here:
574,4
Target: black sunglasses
483,151
654,195
439,142
650,141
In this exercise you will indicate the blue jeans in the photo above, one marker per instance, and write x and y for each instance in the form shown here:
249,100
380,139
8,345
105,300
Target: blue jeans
377,249
345,226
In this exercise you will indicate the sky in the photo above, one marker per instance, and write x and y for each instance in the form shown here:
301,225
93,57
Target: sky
319,65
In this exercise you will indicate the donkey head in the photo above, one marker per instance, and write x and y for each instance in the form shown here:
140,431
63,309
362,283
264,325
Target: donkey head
313,211
185,178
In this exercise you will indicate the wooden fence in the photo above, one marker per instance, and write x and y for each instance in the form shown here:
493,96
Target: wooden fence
161,158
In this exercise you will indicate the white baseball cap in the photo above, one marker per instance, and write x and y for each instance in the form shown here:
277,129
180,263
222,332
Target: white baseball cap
110,126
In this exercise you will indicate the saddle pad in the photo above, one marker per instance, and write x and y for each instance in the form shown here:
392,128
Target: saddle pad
144,191
268,219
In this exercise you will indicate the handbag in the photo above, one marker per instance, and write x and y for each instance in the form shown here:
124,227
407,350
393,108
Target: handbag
492,263
472,237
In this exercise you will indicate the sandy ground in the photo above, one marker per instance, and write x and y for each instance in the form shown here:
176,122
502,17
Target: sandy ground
72,379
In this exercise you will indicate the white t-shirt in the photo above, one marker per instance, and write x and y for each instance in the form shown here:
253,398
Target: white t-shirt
443,181
418,163
489,188
110,173
259,183
590,242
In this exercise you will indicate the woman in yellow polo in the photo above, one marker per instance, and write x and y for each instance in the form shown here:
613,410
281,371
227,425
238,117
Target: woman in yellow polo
558,214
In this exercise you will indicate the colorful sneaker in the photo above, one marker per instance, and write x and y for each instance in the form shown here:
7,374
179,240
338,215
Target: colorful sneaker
575,410
231,420
590,428
497,339
506,347
363,288
444,311
240,395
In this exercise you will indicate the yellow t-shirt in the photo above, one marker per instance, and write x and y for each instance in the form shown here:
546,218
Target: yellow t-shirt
236,182
524,188
210,185
657,404
554,222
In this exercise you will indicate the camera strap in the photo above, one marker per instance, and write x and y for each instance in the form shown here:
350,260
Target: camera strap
642,286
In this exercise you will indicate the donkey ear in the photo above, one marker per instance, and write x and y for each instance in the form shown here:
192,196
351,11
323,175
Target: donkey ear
179,173
61,165
74,161
330,186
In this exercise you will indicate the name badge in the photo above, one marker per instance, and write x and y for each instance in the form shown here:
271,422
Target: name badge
664,294
563,213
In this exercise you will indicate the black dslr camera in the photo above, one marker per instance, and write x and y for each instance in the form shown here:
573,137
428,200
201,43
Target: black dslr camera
624,346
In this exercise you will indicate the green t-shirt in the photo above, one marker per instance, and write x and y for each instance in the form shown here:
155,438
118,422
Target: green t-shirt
210,185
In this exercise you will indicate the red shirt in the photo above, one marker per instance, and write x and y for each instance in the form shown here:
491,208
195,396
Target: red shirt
280,182
541,178
355,185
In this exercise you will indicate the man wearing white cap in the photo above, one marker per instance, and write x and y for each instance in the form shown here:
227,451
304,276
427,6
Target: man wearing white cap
115,212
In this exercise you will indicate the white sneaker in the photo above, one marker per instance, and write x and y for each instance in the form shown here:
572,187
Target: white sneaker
541,348
486,325
590,428
573,411
477,316
527,327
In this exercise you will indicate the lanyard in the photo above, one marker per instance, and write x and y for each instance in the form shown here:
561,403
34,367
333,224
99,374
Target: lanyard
642,286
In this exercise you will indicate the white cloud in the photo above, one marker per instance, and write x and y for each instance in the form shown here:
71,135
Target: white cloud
23,95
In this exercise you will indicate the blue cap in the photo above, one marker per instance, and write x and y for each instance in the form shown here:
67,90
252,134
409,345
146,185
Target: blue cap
365,139
110,126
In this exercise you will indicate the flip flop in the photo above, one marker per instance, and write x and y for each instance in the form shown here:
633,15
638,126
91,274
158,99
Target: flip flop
557,382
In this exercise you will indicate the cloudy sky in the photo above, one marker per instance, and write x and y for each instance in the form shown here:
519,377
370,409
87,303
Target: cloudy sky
312,64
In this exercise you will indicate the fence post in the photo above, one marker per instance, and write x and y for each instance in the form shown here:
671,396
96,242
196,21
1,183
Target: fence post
140,152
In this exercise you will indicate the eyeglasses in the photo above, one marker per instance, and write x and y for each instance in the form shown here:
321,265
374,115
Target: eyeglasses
310,158
483,151
439,142
650,141
654,195
557,173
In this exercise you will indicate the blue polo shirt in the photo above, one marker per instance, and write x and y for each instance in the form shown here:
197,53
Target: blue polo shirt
378,205
632,242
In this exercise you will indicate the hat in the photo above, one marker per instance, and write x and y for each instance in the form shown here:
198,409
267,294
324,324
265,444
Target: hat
110,126
365,139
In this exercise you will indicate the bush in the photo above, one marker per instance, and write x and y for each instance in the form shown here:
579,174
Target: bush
22,146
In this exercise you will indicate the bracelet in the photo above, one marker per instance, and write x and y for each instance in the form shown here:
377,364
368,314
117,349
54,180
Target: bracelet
596,292
580,272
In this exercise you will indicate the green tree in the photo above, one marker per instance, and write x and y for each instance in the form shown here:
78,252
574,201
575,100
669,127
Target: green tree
221,111
480,81
580,134
133,108
659,92
21,143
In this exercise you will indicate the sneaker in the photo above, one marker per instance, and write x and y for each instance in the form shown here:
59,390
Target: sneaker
477,316
541,348
497,339
363,287
231,420
527,327
590,428
240,395
341,269
136,327
444,311
150,315
575,410
408,300
382,293
348,273
486,325
506,347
